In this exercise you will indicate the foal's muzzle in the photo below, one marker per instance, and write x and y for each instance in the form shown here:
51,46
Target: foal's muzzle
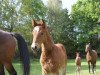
34,48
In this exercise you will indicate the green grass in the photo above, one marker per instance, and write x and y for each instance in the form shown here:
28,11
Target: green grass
36,68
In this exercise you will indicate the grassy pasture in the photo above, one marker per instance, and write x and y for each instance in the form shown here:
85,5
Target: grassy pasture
36,68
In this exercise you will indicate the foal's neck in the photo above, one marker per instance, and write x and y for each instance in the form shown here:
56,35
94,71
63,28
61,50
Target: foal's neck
47,45
77,55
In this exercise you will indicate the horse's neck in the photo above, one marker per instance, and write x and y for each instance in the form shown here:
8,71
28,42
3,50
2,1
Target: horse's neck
90,52
47,45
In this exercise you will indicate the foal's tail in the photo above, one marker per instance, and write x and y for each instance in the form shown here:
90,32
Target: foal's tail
24,54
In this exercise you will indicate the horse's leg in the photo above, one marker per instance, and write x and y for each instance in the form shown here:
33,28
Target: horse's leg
44,72
56,73
10,68
2,69
93,68
64,71
89,66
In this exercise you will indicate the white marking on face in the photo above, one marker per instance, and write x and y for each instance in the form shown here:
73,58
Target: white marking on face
87,46
36,29
33,45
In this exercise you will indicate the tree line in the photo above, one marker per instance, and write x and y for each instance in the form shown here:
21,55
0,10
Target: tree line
74,29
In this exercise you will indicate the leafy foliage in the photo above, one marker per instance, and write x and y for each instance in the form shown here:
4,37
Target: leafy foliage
85,15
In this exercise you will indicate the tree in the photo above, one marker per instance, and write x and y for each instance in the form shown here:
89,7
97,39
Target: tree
60,24
85,15
9,14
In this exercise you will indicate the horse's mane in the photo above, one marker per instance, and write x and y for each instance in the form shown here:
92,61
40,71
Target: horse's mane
48,35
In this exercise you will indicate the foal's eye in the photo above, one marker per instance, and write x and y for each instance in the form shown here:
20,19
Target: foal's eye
41,33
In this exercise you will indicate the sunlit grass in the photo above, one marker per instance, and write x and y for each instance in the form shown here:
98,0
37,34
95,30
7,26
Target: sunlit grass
36,68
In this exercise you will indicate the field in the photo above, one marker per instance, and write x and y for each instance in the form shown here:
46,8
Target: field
36,68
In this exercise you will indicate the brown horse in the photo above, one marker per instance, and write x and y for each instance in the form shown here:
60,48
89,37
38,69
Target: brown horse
91,57
53,56
7,50
78,63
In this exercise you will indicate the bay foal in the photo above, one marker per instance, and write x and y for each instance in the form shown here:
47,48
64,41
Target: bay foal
78,63
91,57
53,56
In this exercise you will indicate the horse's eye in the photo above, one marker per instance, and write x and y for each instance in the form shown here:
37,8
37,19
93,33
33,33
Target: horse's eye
41,33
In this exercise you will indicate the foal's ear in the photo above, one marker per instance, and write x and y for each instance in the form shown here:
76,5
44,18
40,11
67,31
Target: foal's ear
42,23
34,23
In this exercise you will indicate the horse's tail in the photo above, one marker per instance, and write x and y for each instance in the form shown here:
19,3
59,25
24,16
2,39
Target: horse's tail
24,54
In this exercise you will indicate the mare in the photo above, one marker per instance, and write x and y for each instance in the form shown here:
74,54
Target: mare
91,57
78,63
7,49
53,56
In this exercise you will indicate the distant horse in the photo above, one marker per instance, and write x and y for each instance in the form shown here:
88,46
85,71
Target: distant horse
78,63
53,56
91,57
7,50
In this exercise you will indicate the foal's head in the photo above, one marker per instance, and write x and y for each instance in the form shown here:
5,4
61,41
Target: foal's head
77,54
39,34
88,47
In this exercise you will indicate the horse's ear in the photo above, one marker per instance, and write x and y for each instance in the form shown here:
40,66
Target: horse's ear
42,23
34,23
89,44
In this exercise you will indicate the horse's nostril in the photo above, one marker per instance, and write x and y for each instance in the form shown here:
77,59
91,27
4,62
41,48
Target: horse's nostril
33,48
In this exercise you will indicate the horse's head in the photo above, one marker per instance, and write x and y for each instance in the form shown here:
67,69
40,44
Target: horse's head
38,34
88,47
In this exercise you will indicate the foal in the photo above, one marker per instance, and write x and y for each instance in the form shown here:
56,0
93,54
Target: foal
53,56
91,57
78,63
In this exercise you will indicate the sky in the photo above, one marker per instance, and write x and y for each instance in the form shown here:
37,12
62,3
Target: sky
65,3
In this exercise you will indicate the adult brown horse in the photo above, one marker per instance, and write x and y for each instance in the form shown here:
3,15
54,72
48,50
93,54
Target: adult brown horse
7,50
53,56
91,57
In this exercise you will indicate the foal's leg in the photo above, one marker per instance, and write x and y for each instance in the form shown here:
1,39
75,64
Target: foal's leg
79,69
76,70
10,68
2,69
56,73
64,71
44,72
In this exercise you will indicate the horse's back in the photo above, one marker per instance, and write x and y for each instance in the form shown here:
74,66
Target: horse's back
61,47
7,45
4,37
91,57
95,53
61,52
